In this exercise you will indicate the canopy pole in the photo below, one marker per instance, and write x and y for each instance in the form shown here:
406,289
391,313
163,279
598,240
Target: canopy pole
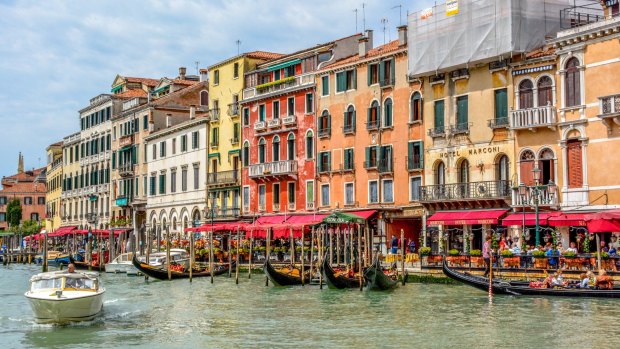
367,246
251,252
292,244
99,251
167,253
311,252
320,255
230,254
148,245
301,257
402,254
44,253
237,259
345,243
211,245
360,273
331,246
267,253
338,245
111,253
191,255
351,246
598,251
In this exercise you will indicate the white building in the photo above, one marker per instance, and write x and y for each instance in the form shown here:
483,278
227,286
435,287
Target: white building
176,158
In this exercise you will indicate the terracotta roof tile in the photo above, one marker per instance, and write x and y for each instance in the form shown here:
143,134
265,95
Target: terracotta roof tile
132,93
146,81
263,55
185,82
391,46
541,52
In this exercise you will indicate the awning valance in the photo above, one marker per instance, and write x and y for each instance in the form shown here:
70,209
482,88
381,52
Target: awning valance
283,65
465,217
528,218
568,220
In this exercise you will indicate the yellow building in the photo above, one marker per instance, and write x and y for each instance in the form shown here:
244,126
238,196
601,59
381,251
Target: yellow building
226,83
54,186
70,168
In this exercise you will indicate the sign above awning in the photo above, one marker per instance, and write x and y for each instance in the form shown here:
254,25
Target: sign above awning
528,218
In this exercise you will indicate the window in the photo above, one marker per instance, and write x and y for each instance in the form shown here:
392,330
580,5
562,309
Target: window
162,183
276,196
261,197
415,155
275,154
324,124
440,173
414,188
324,194
309,103
183,143
261,112
463,175
346,80
34,216
246,154
439,116
174,146
324,161
415,109
545,91
261,150
41,199
154,152
144,185
173,181
371,157
388,190
195,141
236,70
290,106
215,137
290,147
348,159
325,85
526,94
246,116
275,110
547,167
387,115
349,194
349,120
373,192
291,193
204,98
27,200
373,74
384,163
501,107
196,176
246,199
572,85
216,77
2,216
3,200
526,165
236,133
502,171
184,179
309,145
162,149
462,112
386,72
372,119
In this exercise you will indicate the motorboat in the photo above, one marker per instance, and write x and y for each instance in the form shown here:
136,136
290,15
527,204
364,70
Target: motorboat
62,296
120,264
159,259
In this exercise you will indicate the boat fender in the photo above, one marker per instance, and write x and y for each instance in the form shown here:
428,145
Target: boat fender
59,293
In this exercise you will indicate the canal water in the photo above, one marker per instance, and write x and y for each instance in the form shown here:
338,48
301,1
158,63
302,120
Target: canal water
178,314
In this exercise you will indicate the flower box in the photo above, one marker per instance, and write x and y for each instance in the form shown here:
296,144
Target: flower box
477,261
541,263
436,259
457,260
511,262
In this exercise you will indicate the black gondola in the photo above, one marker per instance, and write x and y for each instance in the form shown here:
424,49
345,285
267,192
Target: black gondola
282,279
162,274
376,278
82,265
340,281
523,289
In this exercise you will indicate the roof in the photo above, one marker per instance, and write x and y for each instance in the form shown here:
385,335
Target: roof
391,46
146,81
263,55
196,86
138,92
543,51
184,82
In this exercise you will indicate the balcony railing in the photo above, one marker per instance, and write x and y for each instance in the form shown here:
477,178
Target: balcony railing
385,166
234,141
437,132
223,177
609,105
545,198
125,140
414,163
498,123
289,120
125,170
214,114
348,129
273,123
466,191
578,16
229,212
458,129
259,126
372,124
370,164
533,117
386,82
278,168
279,86
324,132
233,109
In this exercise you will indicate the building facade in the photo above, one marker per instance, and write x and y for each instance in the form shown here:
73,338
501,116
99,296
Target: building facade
278,119
53,178
70,214
29,187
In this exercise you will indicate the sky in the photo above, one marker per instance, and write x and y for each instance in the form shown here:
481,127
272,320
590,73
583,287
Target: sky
57,54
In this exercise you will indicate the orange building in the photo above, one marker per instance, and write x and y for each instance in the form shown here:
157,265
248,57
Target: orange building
370,137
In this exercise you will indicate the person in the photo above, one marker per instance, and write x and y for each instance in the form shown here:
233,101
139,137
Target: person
585,279
553,259
486,255
509,242
71,282
516,249
502,244
547,282
412,246
604,248
394,244
613,252
558,279
572,248
603,281
71,268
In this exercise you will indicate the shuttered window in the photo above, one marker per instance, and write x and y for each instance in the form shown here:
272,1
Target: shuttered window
439,115
574,165
545,97
501,104
415,155
526,94
462,107
573,83
325,85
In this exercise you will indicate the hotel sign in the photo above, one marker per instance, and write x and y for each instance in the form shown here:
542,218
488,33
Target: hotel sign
452,7
533,70
475,151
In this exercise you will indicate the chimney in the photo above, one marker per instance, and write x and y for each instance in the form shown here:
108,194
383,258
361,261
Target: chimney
192,112
363,46
402,35
168,120
182,71
151,123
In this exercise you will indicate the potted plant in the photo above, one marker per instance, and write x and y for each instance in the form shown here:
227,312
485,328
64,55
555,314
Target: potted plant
506,253
538,254
604,255
569,254
453,252
476,258
425,251
540,260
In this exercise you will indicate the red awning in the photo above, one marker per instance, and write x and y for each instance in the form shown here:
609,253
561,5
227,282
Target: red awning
364,214
278,219
602,222
309,219
62,231
530,218
568,220
465,217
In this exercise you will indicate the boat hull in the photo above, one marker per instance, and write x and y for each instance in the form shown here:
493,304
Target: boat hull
339,282
162,274
376,280
119,268
280,279
69,308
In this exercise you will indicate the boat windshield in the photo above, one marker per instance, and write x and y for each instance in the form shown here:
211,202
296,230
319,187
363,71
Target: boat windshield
80,283
46,284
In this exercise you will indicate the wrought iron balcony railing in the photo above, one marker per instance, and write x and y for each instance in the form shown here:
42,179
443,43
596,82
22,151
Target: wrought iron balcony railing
466,191
223,177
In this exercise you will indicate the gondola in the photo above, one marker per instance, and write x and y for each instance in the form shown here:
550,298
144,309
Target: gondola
282,279
523,289
162,274
83,265
376,278
334,281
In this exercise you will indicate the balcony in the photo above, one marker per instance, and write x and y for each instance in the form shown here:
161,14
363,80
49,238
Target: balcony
291,206
260,126
460,129
273,123
280,86
387,82
385,166
102,188
214,114
324,132
578,16
348,129
228,212
289,120
466,191
498,123
415,163
234,141
370,165
233,109
609,107
545,198
276,207
223,178
533,118
437,132
372,125
125,141
278,168
125,170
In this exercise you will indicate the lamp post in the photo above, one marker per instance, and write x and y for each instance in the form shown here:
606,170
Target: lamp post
147,233
536,193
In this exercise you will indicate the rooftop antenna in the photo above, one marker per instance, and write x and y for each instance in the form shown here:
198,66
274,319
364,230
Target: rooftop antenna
355,10
364,17
384,22
197,69
400,14
238,42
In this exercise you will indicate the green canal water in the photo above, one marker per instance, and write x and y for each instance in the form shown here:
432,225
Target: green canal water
178,314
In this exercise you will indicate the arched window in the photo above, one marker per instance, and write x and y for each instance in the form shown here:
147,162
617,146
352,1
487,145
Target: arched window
440,173
574,164
290,147
372,121
526,94
464,171
349,120
246,153
546,166
275,156
324,124
545,92
261,150
387,115
415,109
572,86
526,166
204,98
309,145
502,168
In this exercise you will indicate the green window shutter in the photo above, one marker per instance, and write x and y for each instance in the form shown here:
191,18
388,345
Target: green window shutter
329,161
392,70
134,152
353,119
355,78
378,115
421,149
329,122
439,117
368,74
461,110
114,160
367,156
344,119
501,104
368,116
410,160
381,71
325,85
346,159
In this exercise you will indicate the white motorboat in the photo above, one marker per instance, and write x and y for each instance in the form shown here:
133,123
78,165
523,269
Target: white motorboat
60,296
159,259
120,264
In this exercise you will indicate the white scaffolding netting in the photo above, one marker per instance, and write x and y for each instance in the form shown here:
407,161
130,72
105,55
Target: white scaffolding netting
481,31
